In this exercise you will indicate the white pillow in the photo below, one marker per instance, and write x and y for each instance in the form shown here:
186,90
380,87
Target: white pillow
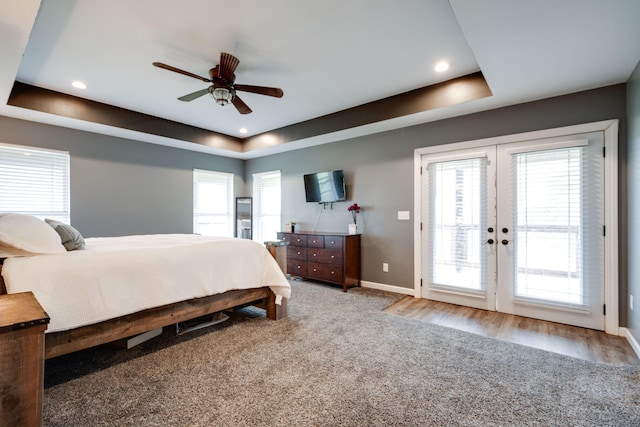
25,234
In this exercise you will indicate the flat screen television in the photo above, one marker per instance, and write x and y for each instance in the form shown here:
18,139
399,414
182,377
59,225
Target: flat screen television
325,187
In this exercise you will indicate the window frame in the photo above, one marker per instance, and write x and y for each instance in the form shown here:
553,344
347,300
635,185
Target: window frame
258,204
52,183
202,176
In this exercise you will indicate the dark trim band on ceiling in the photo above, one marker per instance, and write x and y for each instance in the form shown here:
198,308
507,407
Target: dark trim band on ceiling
48,101
451,92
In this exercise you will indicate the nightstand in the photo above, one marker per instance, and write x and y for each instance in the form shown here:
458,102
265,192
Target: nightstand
22,326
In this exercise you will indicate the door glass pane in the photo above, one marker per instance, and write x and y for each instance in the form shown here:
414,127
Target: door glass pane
457,218
549,225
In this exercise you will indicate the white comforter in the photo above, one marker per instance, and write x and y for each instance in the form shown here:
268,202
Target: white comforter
115,276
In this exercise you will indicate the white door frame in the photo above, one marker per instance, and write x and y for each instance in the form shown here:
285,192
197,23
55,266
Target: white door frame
611,273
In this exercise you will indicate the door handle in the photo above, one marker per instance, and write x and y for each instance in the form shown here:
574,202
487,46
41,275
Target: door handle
505,242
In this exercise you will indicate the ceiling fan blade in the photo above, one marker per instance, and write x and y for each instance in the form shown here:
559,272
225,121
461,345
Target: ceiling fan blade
191,96
179,71
262,90
228,65
240,105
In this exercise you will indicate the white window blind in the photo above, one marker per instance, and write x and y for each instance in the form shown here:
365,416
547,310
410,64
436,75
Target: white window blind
456,220
558,219
212,203
34,182
267,197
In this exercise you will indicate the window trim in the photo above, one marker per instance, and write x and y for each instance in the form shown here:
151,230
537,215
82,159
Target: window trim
257,200
58,159
229,177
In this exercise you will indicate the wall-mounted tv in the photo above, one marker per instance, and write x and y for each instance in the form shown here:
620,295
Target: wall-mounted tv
325,187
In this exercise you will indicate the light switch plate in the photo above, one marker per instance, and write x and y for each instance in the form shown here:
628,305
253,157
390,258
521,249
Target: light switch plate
404,215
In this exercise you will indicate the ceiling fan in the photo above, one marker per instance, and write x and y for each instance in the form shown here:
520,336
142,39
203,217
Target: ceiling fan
223,88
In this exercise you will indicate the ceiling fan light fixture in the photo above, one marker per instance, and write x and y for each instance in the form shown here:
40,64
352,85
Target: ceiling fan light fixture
222,95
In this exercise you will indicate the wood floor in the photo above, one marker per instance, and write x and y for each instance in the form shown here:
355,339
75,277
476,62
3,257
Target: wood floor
572,341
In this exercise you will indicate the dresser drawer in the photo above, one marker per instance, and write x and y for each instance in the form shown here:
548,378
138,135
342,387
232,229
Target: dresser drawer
298,239
333,242
315,241
297,252
293,238
326,272
297,268
325,256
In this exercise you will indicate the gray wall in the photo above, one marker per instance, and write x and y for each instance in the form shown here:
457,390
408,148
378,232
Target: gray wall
122,187
633,163
379,170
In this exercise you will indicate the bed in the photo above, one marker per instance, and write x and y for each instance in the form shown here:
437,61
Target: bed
98,290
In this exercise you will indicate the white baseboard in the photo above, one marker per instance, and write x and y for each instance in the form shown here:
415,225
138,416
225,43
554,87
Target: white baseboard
388,288
624,332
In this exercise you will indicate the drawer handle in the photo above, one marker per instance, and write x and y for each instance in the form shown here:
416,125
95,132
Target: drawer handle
333,272
298,240
333,243
333,256
315,270
314,241
299,267
315,254
299,252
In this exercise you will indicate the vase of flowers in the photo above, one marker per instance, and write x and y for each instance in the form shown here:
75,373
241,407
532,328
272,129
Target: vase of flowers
355,210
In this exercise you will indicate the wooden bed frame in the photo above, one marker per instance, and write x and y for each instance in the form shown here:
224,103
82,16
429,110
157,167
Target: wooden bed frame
63,342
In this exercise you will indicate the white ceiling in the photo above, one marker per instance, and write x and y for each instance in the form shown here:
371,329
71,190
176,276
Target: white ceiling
326,55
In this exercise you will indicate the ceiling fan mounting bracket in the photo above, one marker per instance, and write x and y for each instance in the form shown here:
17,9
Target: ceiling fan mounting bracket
214,75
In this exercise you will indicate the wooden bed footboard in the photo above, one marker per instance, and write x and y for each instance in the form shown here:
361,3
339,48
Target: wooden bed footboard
63,342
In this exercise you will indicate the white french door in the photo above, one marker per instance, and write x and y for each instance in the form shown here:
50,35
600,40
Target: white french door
518,228
460,202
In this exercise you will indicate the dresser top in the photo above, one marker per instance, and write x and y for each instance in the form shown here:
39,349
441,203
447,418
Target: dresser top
319,233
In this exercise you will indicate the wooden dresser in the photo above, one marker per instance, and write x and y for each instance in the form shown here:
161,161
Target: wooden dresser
326,257
22,326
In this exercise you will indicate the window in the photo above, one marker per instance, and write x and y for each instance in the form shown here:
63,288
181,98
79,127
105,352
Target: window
266,197
212,203
34,181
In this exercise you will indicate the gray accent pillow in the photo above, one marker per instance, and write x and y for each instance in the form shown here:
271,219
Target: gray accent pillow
71,238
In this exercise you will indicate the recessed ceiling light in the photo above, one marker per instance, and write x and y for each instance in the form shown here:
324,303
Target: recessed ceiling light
244,130
442,66
78,84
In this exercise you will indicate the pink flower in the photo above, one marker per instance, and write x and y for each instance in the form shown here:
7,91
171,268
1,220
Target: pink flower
355,210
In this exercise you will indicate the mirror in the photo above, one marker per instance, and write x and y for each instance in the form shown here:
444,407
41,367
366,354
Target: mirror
244,229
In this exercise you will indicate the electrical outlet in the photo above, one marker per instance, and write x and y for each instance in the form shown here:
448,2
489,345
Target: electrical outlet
385,267
631,302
